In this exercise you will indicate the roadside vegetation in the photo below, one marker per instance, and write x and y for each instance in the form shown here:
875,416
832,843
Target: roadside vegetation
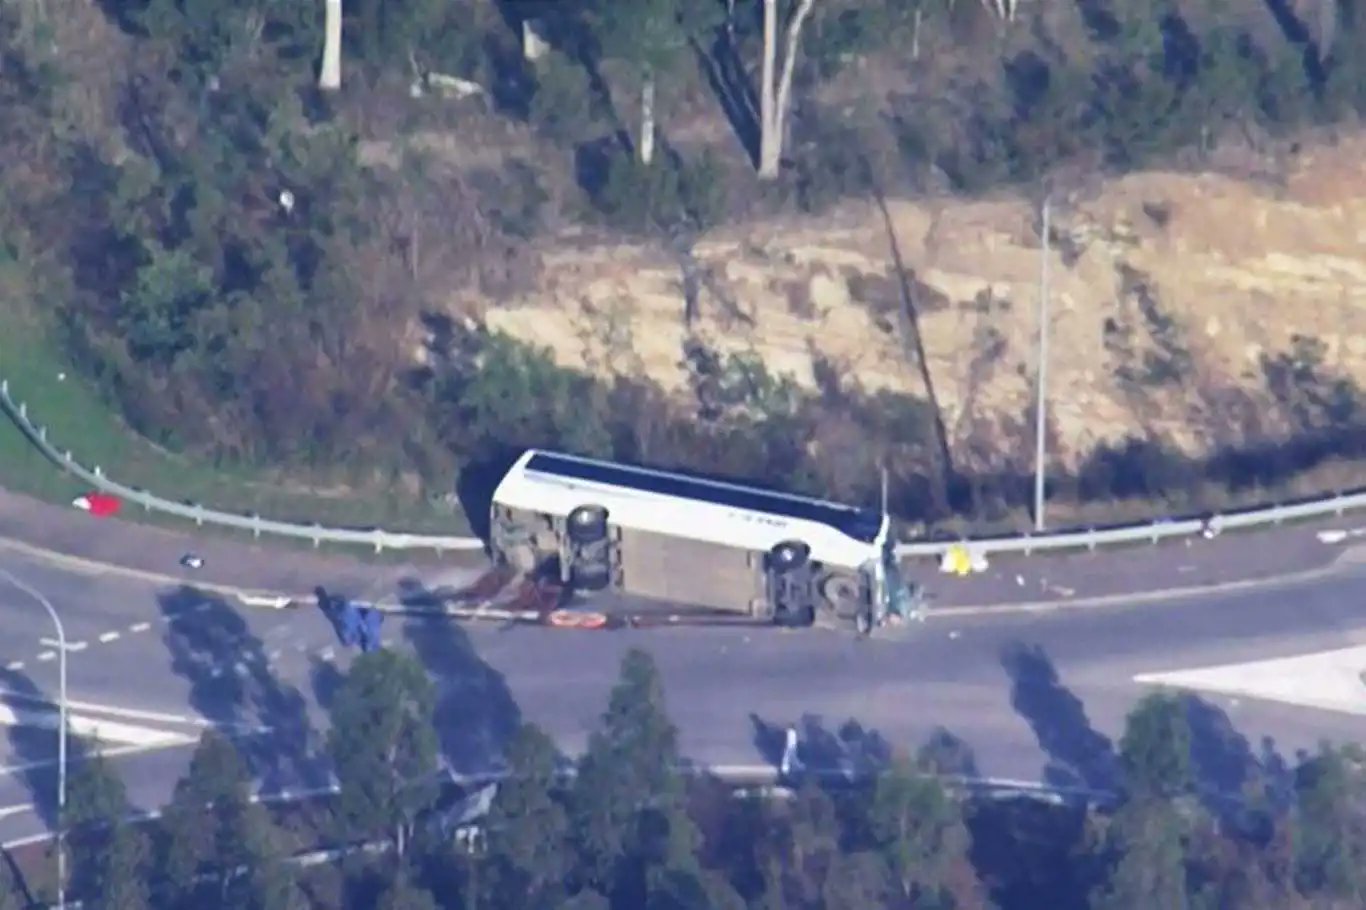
244,270
1197,821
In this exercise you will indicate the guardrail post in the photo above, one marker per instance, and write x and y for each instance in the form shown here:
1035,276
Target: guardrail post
4,387
42,434
198,515
379,541
1276,517
97,472
1337,505
23,410
255,526
1091,541
317,535
1152,534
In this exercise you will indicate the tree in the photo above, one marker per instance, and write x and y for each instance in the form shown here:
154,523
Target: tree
775,84
1330,851
1147,837
218,841
528,830
650,37
796,845
329,76
383,746
403,894
918,828
109,856
628,802
1155,750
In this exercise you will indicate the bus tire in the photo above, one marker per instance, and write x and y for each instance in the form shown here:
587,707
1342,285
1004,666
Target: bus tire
587,524
800,618
788,555
591,576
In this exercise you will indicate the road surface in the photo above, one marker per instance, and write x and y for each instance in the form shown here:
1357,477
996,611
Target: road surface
1027,696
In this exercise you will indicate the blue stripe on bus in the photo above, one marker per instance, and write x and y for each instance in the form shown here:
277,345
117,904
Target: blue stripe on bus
860,524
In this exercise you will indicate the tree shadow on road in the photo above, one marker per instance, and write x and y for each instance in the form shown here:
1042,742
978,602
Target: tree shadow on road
851,750
1246,790
232,684
476,714
1078,756
34,749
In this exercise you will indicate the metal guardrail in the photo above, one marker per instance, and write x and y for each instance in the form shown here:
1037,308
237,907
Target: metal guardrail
1151,532
377,538
380,540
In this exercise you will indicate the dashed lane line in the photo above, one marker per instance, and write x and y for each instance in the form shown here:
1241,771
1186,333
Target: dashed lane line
14,666
140,627
47,655
107,637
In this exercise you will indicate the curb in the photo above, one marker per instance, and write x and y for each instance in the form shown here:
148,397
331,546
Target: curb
1147,597
278,601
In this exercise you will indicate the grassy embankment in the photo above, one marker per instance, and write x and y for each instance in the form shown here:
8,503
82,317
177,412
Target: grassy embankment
78,419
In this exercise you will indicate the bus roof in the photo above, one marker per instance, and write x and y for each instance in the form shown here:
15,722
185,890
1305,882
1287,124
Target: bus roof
863,525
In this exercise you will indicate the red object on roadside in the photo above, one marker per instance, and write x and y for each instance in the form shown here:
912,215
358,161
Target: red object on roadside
102,505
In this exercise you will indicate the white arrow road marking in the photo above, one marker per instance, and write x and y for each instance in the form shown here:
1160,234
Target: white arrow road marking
1328,680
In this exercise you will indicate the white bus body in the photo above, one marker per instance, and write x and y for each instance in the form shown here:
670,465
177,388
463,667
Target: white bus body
685,537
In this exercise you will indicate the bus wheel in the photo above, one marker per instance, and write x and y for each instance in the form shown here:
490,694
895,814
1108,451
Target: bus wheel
788,555
592,576
587,524
798,618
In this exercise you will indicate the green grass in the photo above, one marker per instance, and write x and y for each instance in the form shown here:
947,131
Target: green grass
77,418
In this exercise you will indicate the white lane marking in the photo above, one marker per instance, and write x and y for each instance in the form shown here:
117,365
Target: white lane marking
104,751
327,654
47,655
78,646
1327,680
95,728
140,627
7,811
107,637
111,710
15,665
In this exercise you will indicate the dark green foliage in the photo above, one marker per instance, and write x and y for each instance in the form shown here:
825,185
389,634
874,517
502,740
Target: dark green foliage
109,856
404,894
218,845
1155,750
662,196
1330,852
528,854
383,746
629,822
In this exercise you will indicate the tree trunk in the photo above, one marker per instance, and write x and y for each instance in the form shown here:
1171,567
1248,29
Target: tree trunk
769,149
329,80
775,101
647,119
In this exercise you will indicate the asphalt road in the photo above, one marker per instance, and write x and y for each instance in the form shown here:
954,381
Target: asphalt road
1035,697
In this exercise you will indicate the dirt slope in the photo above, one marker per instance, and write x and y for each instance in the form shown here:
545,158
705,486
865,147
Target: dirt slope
1202,310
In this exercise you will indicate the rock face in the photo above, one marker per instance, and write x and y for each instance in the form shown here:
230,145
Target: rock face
1199,310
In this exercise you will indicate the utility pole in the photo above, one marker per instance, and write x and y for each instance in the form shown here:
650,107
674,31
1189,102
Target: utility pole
60,645
1041,389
